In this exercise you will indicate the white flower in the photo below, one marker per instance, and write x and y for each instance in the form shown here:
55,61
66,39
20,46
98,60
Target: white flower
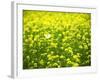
47,36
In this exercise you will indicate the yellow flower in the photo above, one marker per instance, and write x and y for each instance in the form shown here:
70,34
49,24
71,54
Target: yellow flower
75,64
30,45
56,56
62,47
60,34
26,29
75,56
49,57
69,62
26,40
85,47
41,62
78,36
62,57
68,59
80,46
53,44
55,64
83,37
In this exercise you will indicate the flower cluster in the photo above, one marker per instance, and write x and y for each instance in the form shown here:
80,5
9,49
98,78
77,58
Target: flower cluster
56,39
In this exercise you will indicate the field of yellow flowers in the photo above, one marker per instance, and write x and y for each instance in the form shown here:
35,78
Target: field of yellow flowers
56,39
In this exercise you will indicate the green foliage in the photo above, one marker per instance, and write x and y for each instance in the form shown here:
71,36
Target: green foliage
56,39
